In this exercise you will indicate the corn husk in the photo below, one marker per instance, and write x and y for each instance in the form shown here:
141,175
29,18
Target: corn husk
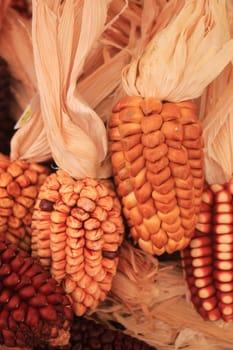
183,57
216,113
108,60
166,319
16,49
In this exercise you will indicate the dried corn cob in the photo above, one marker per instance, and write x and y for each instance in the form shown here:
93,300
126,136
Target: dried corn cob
208,260
19,184
77,229
33,307
87,334
7,122
157,158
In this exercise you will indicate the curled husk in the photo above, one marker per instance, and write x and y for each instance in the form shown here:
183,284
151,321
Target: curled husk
77,230
19,185
33,307
208,260
157,159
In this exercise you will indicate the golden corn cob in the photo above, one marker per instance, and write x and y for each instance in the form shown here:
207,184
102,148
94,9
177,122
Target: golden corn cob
33,307
19,184
77,229
157,158
208,260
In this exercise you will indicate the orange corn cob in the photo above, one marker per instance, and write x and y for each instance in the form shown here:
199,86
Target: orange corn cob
157,159
77,229
208,260
19,184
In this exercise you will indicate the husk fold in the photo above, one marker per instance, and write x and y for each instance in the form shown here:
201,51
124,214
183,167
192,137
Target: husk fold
184,56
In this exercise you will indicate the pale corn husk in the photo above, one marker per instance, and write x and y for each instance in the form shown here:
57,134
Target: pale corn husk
15,39
216,113
110,83
166,320
184,57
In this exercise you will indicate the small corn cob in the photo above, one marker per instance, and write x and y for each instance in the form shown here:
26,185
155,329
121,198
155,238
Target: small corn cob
33,307
7,122
77,229
87,334
208,260
19,184
157,159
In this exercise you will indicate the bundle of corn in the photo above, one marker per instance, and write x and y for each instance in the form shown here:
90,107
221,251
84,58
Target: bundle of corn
208,260
156,138
77,225
23,7
19,185
33,307
7,122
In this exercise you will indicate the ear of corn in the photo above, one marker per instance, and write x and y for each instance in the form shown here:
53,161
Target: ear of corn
33,307
19,184
87,334
208,260
157,158
77,229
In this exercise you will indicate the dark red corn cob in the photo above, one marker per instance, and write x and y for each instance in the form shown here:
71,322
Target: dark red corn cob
33,307
208,260
6,121
87,334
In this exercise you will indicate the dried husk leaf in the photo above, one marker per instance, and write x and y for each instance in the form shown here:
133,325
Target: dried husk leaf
185,56
166,320
216,115
30,141
15,39
70,123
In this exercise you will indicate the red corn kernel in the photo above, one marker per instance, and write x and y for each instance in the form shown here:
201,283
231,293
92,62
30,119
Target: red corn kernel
221,247
223,208
203,282
202,271
203,251
224,286
225,265
223,218
222,228
202,261
200,242
223,276
223,197
206,292
225,298
210,303
204,217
